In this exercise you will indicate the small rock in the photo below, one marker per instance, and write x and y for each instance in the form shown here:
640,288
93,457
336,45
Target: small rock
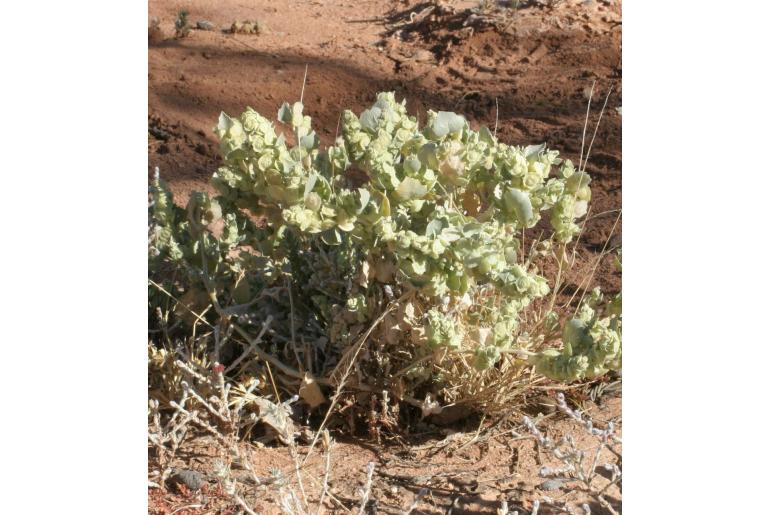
205,25
551,484
537,54
158,133
423,56
191,479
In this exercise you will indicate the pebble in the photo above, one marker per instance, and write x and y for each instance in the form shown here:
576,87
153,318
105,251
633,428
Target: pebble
423,56
191,479
551,484
205,25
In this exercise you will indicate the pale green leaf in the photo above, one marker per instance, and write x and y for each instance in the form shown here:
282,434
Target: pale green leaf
410,189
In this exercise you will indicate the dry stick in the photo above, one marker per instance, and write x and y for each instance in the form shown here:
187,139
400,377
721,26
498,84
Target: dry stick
293,451
193,417
211,409
475,437
291,320
584,164
585,126
252,345
163,290
296,129
557,284
592,470
184,366
537,240
604,213
341,383
413,364
497,112
237,498
580,234
336,134
367,487
217,344
304,80
195,324
337,130
580,167
327,469
272,382
331,496
608,485
596,129
595,266
557,387
286,369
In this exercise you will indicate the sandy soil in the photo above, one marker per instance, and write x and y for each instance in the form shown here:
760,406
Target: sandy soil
530,76
461,471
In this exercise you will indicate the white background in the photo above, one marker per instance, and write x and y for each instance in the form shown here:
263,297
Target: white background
695,195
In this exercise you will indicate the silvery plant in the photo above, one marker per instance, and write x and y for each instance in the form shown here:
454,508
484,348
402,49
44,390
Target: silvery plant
431,243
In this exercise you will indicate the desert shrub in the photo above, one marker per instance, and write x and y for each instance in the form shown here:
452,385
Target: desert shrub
399,253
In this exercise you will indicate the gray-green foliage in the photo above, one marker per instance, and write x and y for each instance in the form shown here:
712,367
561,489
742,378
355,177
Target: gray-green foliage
433,216
591,342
